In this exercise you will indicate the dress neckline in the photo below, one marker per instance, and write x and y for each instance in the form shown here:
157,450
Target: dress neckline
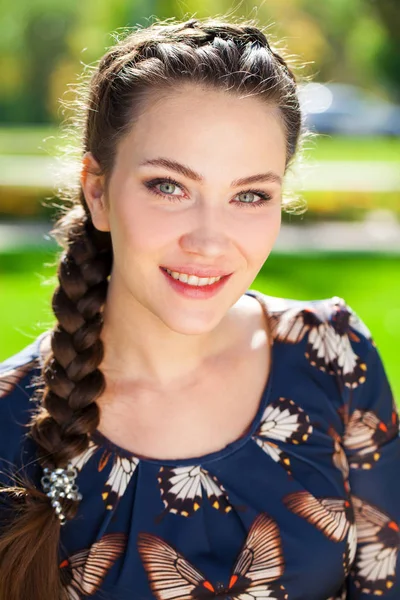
102,441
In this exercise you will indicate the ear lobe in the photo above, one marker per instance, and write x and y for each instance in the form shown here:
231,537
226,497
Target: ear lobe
93,190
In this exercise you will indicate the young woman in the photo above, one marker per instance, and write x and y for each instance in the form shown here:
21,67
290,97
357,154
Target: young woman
177,435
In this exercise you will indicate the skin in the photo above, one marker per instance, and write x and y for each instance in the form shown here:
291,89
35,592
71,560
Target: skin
155,339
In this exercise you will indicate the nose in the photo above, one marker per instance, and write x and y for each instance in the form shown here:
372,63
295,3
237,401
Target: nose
207,231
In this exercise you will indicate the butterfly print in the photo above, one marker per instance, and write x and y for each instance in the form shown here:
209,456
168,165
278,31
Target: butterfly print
356,323
348,324
339,457
283,421
254,576
84,572
334,517
328,345
293,323
121,473
10,378
80,461
182,490
350,551
344,318
374,570
364,434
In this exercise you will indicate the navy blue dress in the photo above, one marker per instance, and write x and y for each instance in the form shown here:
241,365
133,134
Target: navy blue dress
304,506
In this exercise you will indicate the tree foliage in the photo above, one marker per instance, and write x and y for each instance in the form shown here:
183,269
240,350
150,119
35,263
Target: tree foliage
45,44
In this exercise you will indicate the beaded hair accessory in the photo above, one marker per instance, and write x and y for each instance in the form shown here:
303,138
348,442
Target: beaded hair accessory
60,483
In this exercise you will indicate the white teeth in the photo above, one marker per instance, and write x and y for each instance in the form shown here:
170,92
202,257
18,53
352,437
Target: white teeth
193,279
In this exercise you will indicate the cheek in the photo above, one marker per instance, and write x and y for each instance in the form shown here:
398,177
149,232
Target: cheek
137,228
259,237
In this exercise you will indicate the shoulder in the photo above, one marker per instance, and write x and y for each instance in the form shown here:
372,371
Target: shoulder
19,375
327,331
333,312
18,369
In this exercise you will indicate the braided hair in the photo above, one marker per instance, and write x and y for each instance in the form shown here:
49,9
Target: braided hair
235,57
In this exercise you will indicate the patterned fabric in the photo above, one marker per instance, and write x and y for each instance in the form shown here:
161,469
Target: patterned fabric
304,506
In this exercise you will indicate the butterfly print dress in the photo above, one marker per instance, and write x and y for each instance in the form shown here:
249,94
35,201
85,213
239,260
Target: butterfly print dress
304,506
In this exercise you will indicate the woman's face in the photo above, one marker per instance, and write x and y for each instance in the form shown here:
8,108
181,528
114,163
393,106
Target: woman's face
197,221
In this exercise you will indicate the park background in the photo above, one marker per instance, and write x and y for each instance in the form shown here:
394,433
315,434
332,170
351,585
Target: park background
346,244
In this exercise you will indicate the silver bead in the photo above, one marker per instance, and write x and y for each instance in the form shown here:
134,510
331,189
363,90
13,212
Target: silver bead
72,472
60,483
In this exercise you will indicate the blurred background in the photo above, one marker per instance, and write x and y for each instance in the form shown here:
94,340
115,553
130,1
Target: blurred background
348,241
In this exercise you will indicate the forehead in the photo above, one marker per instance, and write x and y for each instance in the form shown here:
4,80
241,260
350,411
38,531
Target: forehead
203,125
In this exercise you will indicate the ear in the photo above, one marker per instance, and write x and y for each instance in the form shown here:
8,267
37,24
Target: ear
93,190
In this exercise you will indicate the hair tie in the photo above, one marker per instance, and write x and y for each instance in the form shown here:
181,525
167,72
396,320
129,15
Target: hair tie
60,483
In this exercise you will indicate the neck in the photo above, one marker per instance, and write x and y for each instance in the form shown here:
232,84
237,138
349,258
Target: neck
141,348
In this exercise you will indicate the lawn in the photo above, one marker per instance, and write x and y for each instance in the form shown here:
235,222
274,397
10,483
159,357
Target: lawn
340,147
370,284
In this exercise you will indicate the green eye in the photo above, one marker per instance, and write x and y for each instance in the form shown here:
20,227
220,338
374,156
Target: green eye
167,184
251,194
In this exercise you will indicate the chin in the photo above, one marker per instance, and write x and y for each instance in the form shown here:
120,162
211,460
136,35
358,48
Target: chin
191,324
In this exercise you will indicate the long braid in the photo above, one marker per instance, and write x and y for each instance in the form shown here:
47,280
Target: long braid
73,381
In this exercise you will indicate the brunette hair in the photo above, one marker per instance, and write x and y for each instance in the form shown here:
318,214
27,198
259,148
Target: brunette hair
232,56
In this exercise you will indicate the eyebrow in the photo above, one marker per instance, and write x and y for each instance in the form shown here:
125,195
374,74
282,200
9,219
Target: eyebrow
269,177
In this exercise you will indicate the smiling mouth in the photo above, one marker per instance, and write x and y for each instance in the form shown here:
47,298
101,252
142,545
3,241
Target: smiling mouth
188,271
186,278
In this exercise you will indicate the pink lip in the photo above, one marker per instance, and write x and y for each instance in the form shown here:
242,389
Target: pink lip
194,291
198,271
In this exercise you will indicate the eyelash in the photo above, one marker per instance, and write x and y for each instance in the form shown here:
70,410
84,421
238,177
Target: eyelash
151,186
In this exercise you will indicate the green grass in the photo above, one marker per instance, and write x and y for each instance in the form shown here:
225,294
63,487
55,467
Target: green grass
354,148
24,298
370,284
44,139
